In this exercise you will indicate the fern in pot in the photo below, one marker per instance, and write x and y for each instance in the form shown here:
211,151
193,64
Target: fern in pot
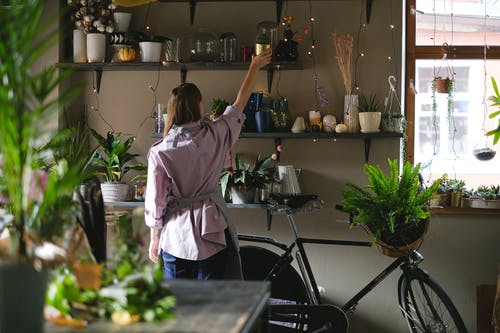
392,208
112,161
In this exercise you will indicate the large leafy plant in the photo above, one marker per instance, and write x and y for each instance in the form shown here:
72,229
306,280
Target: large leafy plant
496,102
113,157
388,201
36,183
242,174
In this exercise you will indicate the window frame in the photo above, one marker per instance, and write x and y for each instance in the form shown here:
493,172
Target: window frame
414,52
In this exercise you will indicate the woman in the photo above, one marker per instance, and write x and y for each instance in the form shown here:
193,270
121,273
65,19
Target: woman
184,205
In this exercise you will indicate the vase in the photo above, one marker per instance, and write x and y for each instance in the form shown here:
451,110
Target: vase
122,21
150,51
351,119
79,46
22,298
96,47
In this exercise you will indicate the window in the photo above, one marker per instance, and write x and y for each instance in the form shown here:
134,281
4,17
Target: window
449,36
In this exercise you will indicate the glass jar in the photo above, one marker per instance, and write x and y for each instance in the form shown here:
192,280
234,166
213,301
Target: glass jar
229,47
280,115
202,45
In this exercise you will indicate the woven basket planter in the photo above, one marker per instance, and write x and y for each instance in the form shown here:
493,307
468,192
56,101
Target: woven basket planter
398,251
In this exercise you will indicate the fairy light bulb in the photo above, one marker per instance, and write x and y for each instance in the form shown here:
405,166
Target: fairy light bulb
389,58
391,26
362,54
312,19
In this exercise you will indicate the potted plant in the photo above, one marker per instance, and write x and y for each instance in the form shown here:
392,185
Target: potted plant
441,194
443,86
455,189
218,108
487,197
36,186
113,162
392,122
151,46
392,208
240,180
369,113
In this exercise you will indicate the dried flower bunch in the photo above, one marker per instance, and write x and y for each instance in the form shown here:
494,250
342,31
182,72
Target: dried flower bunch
343,47
93,15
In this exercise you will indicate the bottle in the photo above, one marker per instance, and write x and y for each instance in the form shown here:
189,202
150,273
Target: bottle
262,43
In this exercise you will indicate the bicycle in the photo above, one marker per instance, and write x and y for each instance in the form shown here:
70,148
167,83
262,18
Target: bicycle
424,304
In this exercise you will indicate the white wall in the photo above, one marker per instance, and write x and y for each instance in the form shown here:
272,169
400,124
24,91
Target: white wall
461,251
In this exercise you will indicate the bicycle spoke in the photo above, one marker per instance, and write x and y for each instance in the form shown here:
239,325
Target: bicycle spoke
426,307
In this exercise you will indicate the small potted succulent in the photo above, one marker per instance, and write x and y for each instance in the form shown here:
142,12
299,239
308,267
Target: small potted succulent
369,113
487,197
112,161
442,197
455,188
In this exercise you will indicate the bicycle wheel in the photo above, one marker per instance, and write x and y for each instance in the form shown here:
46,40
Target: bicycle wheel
286,287
425,305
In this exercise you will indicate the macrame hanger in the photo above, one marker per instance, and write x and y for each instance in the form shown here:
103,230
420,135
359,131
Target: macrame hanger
482,150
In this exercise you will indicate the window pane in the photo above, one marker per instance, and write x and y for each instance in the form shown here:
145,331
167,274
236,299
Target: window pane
445,137
467,25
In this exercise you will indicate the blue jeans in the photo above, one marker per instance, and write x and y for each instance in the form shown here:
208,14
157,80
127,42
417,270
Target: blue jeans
209,269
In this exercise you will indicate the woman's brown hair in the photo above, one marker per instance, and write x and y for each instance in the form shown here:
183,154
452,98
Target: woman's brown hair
183,106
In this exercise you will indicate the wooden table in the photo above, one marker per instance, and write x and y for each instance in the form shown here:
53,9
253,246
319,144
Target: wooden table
202,306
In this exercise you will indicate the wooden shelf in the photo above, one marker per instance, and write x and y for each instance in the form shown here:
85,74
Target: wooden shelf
464,211
278,136
182,67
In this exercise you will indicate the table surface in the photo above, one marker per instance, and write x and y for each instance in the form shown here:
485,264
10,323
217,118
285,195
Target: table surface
202,306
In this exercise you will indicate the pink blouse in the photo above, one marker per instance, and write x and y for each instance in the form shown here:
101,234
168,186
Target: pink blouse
185,164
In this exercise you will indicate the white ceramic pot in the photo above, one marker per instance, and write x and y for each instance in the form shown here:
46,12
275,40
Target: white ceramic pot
351,119
370,122
96,47
150,51
122,21
299,125
79,46
112,192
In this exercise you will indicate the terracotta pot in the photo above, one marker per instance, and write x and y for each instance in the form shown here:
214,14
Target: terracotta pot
442,85
88,275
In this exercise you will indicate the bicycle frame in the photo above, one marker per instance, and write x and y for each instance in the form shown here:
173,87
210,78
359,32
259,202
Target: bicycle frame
306,270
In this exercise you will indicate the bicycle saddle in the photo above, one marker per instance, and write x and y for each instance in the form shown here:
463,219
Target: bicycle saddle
291,200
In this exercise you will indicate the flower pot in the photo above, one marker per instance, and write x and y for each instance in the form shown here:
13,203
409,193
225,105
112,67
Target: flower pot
370,122
22,297
455,199
484,203
88,275
96,47
150,51
113,192
442,85
392,125
122,21
351,119
242,195
79,46
411,237
440,201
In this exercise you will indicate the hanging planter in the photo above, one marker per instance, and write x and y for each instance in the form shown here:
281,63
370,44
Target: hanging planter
443,86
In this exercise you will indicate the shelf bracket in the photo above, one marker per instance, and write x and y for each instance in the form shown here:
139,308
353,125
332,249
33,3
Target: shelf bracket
367,143
270,74
368,10
192,10
98,77
279,7
183,71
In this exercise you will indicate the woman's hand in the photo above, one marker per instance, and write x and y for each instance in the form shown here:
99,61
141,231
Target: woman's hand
262,59
258,61
154,244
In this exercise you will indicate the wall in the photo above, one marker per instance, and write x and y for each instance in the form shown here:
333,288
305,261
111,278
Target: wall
461,251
